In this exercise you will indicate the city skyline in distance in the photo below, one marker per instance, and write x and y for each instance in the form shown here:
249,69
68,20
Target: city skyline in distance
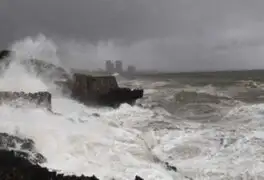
116,66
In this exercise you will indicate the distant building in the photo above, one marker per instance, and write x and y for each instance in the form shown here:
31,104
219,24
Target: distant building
131,69
119,66
109,67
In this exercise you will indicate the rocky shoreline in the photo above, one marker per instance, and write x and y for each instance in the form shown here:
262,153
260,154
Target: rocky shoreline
19,160
14,167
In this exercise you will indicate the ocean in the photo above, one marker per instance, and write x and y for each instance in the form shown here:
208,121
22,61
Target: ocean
208,125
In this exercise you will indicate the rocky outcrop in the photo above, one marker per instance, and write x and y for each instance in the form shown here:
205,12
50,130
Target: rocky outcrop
19,160
21,147
13,167
42,99
102,90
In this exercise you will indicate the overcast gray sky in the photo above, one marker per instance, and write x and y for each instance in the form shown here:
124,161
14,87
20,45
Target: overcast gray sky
174,35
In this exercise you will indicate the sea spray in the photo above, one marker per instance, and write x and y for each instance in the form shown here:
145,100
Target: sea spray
74,142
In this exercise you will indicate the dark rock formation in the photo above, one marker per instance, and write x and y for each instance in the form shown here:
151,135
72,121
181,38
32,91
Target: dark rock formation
170,167
138,178
19,160
13,167
4,54
42,99
102,90
22,147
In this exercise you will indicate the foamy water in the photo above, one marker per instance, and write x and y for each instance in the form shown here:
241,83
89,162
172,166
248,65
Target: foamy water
121,143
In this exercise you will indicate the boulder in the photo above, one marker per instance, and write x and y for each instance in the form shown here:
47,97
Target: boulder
42,98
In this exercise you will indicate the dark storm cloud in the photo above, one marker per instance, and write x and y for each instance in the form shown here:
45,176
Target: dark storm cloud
91,19
168,34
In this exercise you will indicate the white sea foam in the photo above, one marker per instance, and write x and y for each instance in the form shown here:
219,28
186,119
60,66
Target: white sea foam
117,143
76,141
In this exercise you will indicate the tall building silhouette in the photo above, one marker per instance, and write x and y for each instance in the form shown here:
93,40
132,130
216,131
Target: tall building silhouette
109,67
119,66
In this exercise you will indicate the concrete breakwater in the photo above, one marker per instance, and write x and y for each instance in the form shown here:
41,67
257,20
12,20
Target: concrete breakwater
102,91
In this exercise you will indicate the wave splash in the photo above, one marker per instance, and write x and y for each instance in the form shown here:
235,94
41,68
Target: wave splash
76,141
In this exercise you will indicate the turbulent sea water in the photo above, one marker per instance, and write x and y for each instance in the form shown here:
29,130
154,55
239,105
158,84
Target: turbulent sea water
208,125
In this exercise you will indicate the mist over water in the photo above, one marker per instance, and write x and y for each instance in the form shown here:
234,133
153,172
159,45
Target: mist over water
209,138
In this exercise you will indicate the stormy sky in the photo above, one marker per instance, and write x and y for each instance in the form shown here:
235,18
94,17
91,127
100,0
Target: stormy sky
170,35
